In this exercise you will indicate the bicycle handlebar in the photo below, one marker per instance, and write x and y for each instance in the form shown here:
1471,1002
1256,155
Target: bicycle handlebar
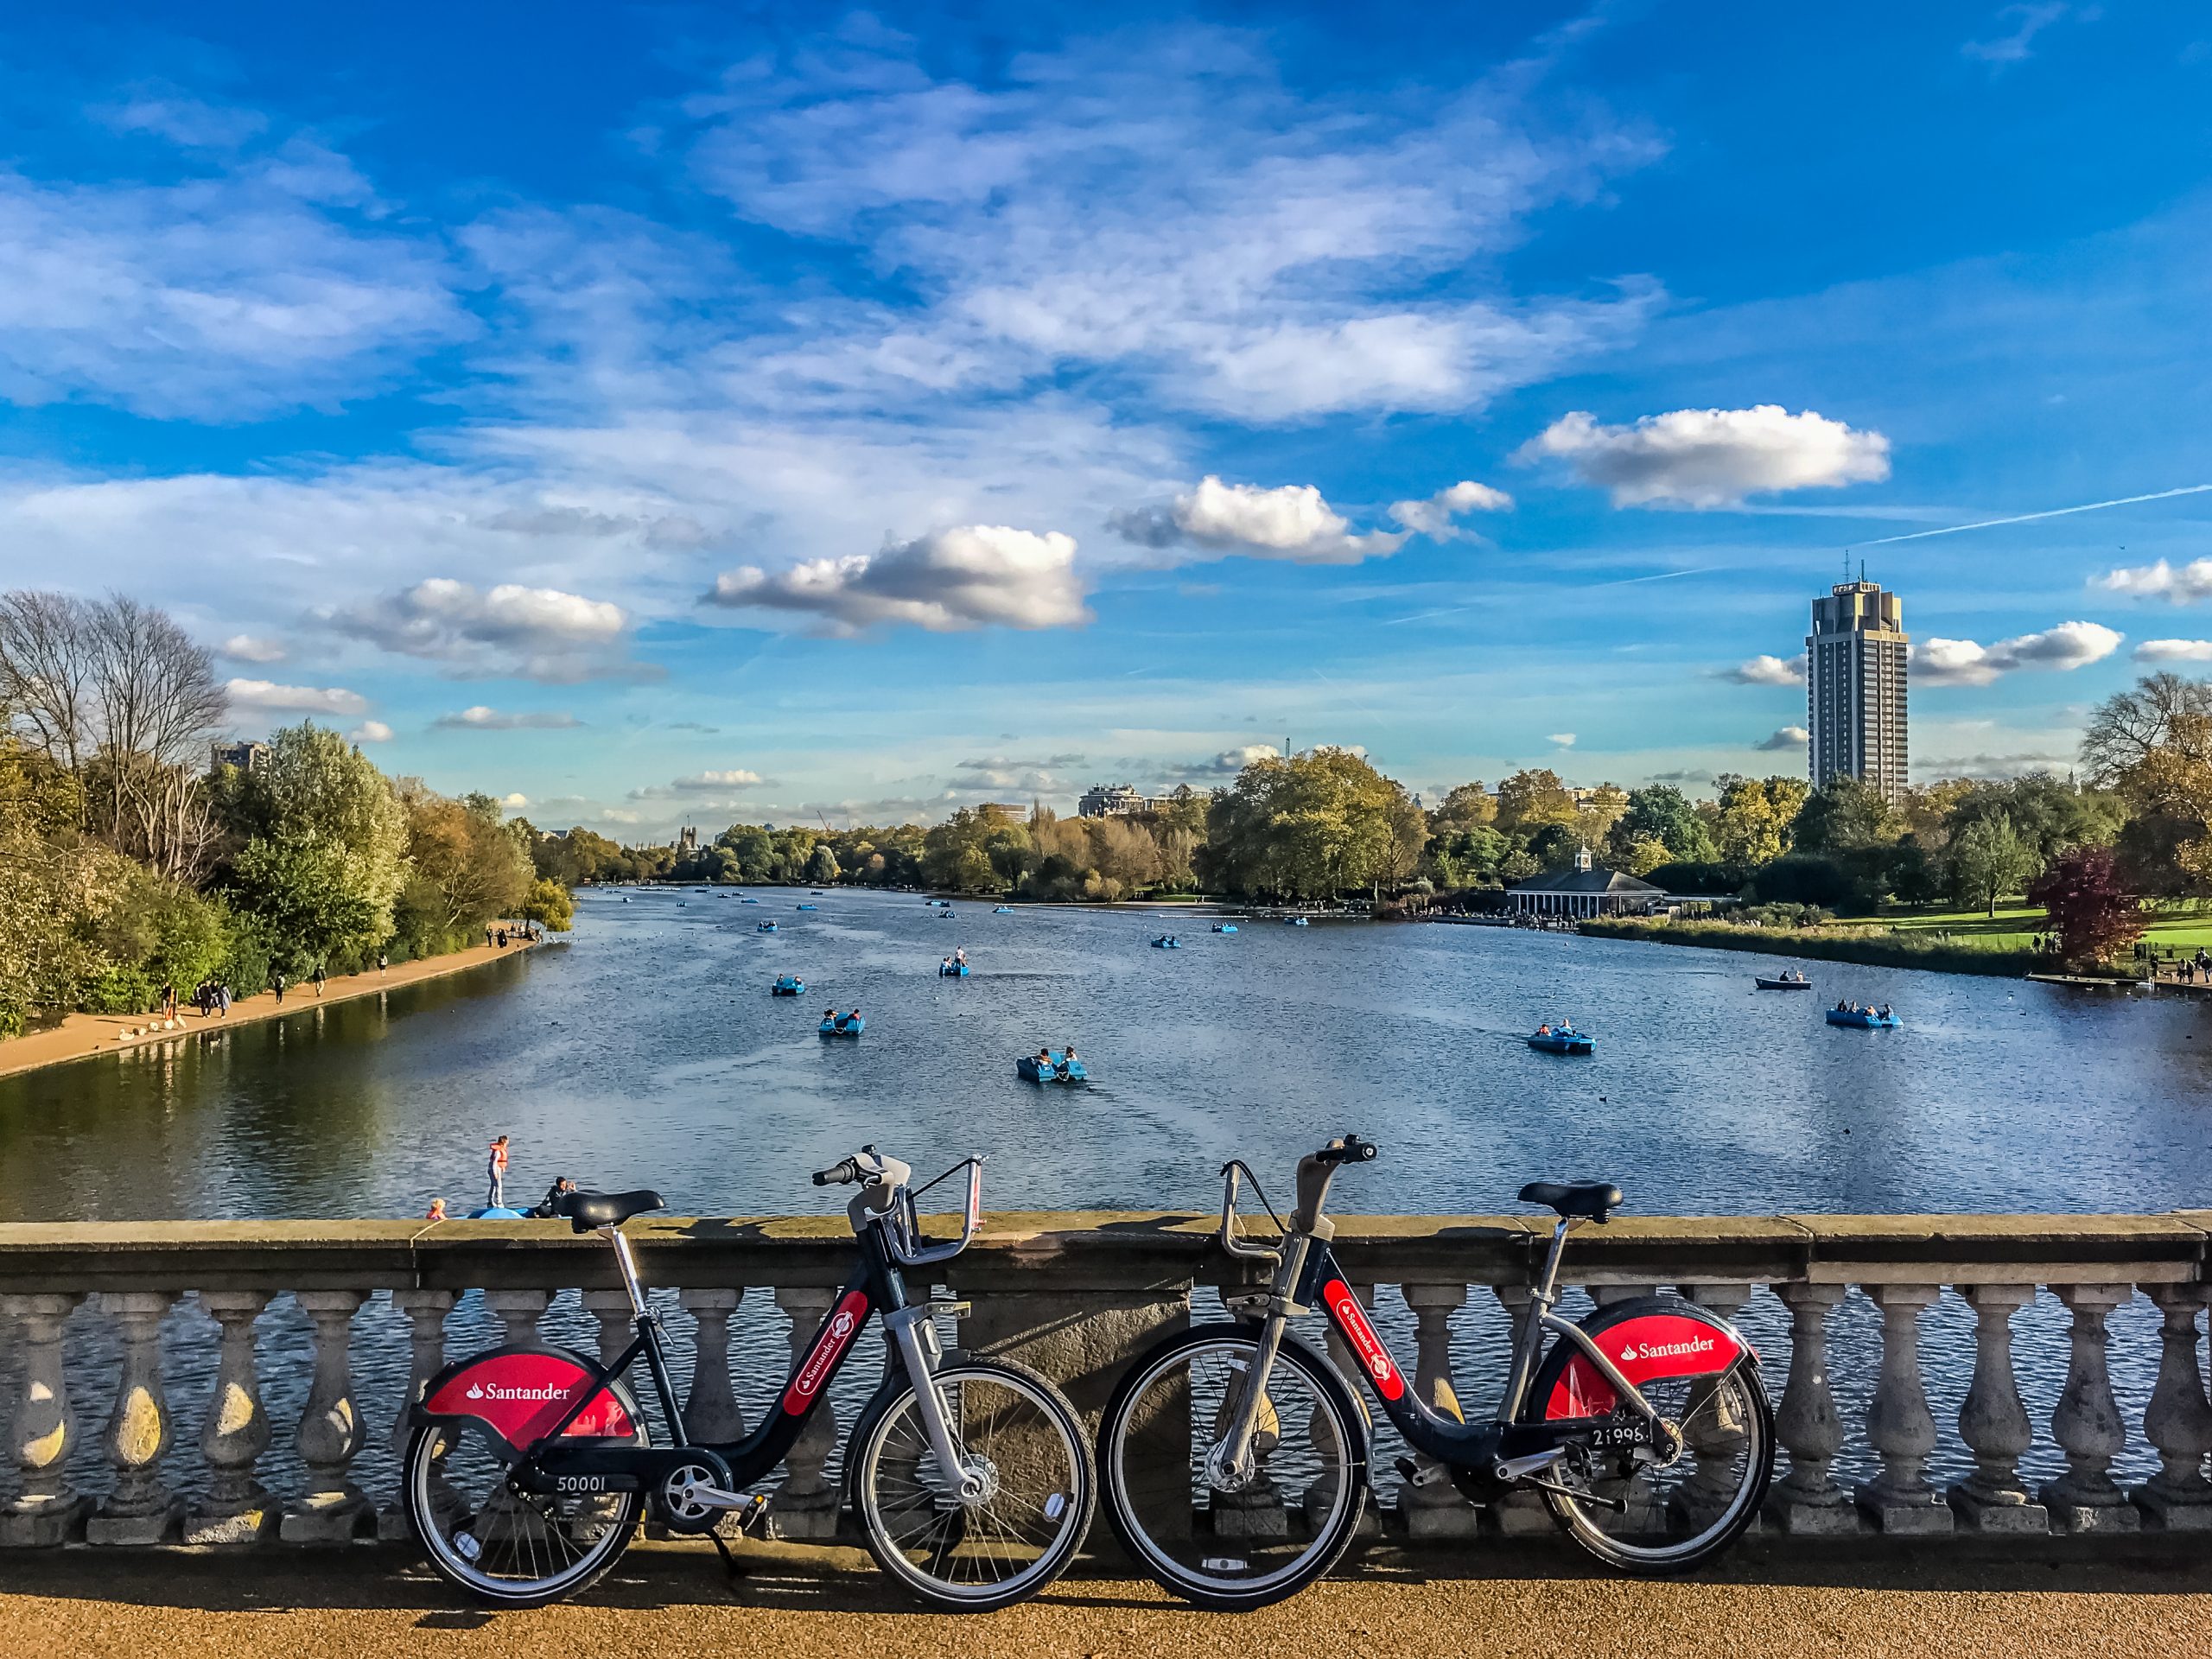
1315,1171
843,1174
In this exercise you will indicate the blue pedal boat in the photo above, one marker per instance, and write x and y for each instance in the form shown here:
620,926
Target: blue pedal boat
787,985
1863,1019
1294,921
1562,1042
809,906
953,971
1057,1069
845,1025
1002,910
1168,942
1225,927
741,901
764,927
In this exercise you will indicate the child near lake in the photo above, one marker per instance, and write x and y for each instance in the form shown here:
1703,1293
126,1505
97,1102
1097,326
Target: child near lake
495,1171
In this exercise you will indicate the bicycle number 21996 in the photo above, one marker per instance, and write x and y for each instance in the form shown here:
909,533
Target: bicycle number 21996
1626,1435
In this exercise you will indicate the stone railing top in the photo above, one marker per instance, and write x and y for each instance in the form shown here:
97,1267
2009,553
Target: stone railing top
1107,1250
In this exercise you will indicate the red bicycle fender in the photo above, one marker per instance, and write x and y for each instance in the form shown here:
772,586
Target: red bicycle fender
519,1394
1647,1347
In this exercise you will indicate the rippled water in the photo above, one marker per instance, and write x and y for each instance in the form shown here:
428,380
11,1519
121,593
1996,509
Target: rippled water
649,1053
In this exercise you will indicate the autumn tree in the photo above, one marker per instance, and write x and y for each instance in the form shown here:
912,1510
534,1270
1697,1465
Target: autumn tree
2091,910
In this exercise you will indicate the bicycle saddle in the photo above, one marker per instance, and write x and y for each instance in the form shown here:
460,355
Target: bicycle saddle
1592,1199
586,1210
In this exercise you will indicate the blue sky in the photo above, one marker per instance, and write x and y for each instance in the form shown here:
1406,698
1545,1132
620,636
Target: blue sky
666,414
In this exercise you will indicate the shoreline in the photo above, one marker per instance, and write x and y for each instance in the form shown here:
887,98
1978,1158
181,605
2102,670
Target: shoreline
88,1036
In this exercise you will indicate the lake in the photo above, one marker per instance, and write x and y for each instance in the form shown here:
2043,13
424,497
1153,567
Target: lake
649,1053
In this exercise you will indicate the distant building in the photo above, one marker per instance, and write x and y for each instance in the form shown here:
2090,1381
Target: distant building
1584,890
1011,811
246,757
687,839
1855,688
1119,801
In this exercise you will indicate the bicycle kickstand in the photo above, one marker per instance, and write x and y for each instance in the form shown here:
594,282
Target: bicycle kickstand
759,1509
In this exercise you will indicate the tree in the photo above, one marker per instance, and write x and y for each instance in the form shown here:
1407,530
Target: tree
1662,813
2126,726
821,867
2171,783
1531,798
1843,816
1468,806
1310,826
2052,816
1989,859
1639,854
324,851
1751,824
550,904
2091,910
465,869
1597,813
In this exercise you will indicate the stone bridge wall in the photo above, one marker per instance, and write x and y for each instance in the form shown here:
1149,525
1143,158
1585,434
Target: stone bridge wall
1079,1295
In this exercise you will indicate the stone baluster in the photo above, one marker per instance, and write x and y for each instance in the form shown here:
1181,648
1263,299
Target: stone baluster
331,1432
46,1510
1898,1423
518,1311
2179,1421
426,1311
2086,1424
711,1415
236,1509
612,1311
1715,1432
806,1504
142,1510
1993,1422
1519,1513
1806,1499
1319,1497
1435,1509
1257,1511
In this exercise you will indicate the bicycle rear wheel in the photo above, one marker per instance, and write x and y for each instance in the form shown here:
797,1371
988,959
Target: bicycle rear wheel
1215,1540
1669,1512
1019,1435
511,1549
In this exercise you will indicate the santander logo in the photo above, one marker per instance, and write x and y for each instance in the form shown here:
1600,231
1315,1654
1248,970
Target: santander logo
493,1391
836,1336
1352,1318
1631,1351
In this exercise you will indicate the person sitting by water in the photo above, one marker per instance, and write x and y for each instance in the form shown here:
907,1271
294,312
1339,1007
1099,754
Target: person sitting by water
828,1016
947,963
853,1019
1067,1055
436,1211
1885,1010
1842,1006
553,1204
1044,1059
960,957
1544,1030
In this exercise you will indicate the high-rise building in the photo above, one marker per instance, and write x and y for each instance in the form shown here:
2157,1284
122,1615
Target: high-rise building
1855,688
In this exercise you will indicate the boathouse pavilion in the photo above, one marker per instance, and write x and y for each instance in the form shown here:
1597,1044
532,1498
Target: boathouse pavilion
1584,890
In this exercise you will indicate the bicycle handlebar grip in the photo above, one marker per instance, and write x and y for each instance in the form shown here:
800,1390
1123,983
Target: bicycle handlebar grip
843,1174
1348,1150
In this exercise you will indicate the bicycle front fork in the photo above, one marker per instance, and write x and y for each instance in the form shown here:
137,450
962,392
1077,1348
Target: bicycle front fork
912,1332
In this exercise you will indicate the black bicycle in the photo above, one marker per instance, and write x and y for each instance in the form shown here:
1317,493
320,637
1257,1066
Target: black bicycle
971,1479
1235,1456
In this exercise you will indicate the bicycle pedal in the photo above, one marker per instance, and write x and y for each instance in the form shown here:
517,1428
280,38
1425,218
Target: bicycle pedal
756,1509
1617,1505
1418,1475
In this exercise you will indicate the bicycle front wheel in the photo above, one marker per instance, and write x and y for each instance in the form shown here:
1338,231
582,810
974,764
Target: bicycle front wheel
1220,1539
1018,1435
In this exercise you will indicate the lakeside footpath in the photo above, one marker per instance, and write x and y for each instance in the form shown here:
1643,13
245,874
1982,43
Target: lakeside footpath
84,1036
801,1601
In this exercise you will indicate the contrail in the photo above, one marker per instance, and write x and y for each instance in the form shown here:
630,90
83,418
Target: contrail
2055,512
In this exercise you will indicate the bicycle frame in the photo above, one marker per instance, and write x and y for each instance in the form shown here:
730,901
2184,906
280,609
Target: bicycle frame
1496,1453
888,1235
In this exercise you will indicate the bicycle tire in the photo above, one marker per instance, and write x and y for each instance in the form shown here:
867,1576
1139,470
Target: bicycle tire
889,1410
1741,1510
416,1474
1348,1432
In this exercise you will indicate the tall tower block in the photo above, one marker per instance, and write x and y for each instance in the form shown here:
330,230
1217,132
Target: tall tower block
1855,688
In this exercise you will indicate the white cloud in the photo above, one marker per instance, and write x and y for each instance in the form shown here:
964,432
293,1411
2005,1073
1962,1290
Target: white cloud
265,696
2027,22
2174,650
1712,457
1784,737
263,285
973,576
541,634
1565,739
514,803
1961,662
249,648
2185,585
735,778
1433,517
370,731
1769,671
481,718
1291,522
1161,204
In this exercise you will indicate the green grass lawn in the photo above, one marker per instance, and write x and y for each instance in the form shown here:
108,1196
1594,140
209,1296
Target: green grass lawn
2014,927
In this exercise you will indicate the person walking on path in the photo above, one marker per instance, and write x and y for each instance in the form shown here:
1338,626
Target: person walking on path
169,1000
495,1171
223,1001
319,976
383,963
276,984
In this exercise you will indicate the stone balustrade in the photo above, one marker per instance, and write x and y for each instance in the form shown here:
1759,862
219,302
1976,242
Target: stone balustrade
1079,1295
